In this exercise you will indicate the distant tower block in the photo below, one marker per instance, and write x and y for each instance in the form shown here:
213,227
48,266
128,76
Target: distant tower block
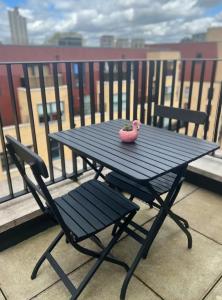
18,27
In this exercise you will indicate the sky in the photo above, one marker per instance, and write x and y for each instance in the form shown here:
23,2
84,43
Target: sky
158,21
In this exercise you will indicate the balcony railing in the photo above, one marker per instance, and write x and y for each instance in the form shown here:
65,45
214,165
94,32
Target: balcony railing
88,92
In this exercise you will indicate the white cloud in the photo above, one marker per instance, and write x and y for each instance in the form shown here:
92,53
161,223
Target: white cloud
156,21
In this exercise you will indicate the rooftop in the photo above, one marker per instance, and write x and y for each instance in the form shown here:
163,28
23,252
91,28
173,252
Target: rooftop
171,271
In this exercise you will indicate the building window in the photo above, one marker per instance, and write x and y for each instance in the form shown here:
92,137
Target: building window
87,108
115,72
199,55
170,65
10,161
51,111
168,91
186,92
76,74
55,149
115,102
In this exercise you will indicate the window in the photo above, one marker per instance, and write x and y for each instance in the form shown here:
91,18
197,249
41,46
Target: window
168,91
51,111
169,70
87,109
76,74
55,149
115,102
115,71
199,55
10,161
186,92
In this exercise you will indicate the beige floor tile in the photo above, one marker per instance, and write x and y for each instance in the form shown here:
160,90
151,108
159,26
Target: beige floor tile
216,293
105,285
24,256
172,270
20,260
203,210
186,189
1,296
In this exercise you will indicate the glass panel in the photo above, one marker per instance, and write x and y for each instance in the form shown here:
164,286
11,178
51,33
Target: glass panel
87,105
40,109
62,106
53,107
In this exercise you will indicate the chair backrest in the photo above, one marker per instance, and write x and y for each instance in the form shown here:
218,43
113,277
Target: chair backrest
21,156
181,115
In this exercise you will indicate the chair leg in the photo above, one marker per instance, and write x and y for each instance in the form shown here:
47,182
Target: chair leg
44,255
95,254
115,227
103,256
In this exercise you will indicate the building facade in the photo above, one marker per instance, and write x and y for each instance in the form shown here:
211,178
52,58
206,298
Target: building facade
107,41
18,27
122,43
137,43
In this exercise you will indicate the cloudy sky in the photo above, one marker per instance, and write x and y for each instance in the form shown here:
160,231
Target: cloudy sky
156,21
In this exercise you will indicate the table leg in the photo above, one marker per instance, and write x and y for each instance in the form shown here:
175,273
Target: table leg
152,233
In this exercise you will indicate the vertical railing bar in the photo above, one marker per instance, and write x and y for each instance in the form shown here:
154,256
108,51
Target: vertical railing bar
190,92
218,116
59,114
101,80
210,97
81,94
157,84
71,111
136,79
111,90
45,115
120,80
92,92
128,86
172,90
13,101
81,101
14,107
181,89
201,85
143,91
163,85
8,175
29,102
150,92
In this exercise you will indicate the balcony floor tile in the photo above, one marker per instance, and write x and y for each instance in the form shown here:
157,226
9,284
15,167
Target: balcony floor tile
106,284
203,210
172,270
216,293
19,261
1,296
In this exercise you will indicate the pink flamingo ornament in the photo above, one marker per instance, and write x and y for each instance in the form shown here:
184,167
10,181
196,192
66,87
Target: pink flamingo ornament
129,133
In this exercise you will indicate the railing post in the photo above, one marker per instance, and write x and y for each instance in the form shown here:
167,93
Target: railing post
210,97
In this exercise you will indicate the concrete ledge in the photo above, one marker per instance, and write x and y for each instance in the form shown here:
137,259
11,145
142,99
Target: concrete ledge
207,166
22,209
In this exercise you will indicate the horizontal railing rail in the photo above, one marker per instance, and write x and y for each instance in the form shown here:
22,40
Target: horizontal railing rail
69,94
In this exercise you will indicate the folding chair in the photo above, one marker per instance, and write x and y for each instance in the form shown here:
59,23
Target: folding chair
81,213
163,183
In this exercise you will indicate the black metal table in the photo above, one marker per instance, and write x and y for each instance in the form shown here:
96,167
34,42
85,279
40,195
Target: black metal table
156,152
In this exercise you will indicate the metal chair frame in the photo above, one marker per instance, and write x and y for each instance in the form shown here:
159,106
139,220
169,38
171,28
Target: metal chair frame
21,155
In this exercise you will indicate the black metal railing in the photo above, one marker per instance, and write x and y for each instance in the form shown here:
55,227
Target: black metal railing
115,89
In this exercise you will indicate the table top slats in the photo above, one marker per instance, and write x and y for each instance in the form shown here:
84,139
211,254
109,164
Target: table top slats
131,151
147,137
182,137
156,151
117,151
